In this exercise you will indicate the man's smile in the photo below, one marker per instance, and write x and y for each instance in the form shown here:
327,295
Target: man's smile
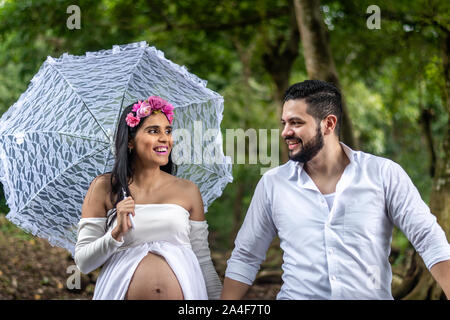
293,143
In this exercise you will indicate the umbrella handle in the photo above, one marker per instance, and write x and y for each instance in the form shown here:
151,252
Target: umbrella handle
131,220
129,215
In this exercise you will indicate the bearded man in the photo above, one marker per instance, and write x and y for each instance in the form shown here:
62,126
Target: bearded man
334,210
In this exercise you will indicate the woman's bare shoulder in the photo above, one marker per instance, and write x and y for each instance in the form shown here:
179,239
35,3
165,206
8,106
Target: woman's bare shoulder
185,185
97,200
192,194
101,184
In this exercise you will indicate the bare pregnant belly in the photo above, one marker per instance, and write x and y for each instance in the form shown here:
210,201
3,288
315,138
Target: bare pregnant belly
153,279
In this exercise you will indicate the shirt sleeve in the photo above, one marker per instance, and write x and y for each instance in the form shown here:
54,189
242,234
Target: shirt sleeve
94,246
253,239
411,214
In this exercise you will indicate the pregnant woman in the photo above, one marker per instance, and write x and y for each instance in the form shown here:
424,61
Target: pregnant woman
146,227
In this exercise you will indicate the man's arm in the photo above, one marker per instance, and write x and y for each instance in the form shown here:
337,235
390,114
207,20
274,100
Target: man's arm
233,290
410,213
251,244
441,273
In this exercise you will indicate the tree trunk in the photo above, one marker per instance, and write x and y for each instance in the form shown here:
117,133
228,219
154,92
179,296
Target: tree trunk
245,56
278,63
425,121
426,287
237,211
318,58
440,196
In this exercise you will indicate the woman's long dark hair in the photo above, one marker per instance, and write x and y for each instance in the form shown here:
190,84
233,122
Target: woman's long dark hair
122,172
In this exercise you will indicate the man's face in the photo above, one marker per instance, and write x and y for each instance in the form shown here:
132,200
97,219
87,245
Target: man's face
301,131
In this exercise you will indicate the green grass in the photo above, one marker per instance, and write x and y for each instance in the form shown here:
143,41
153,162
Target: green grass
8,229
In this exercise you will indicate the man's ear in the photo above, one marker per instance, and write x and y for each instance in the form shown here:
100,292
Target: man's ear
329,124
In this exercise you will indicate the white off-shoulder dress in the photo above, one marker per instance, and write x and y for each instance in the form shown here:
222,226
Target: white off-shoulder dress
162,229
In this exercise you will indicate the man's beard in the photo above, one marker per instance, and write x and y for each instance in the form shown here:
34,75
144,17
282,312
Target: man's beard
310,149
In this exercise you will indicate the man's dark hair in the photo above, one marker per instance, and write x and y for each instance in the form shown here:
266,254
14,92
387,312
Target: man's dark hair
322,99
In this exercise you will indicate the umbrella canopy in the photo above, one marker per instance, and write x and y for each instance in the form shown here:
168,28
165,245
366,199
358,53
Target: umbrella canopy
59,135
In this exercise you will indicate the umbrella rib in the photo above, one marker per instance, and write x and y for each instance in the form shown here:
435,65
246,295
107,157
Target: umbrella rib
62,172
206,169
81,137
79,96
123,95
128,83
201,101
61,133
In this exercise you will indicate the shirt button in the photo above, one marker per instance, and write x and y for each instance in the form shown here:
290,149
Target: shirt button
333,278
330,251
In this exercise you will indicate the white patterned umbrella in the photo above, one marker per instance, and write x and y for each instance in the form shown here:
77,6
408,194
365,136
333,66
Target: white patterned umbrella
59,135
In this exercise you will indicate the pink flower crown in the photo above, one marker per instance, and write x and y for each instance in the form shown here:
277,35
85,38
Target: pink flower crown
145,108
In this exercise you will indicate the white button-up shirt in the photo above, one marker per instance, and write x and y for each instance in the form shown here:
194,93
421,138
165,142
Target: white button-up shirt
342,253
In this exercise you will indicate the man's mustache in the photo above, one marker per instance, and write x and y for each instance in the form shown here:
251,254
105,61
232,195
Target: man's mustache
293,138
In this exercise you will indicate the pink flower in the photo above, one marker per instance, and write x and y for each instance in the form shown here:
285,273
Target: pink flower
136,106
144,111
157,103
168,108
132,121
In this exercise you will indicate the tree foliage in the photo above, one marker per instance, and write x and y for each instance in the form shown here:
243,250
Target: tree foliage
392,78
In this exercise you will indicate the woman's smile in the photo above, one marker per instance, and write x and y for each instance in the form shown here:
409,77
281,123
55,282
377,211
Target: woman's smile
161,150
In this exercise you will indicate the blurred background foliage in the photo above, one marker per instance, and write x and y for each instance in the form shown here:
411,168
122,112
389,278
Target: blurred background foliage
392,78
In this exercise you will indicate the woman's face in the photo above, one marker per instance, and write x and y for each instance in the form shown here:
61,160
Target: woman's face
153,141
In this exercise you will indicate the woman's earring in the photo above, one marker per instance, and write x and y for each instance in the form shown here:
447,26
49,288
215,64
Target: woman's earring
129,150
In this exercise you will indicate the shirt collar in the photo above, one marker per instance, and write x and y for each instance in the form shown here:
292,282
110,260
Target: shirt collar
294,168
351,154
297,167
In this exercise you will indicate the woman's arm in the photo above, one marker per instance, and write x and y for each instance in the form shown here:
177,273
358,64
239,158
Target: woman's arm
94,244
197,211
199,243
